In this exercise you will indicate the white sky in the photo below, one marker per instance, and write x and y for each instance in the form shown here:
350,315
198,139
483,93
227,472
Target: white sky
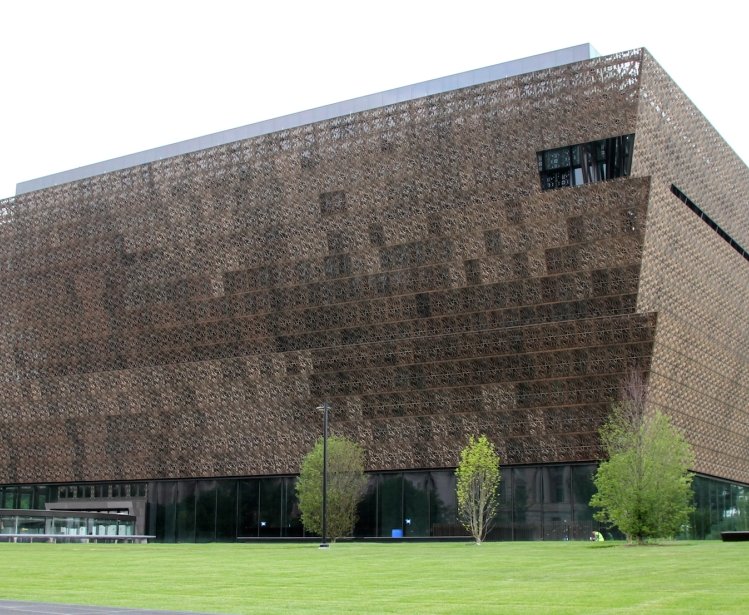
85,81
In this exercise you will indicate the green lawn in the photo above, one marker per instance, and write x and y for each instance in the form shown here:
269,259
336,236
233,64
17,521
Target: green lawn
519,577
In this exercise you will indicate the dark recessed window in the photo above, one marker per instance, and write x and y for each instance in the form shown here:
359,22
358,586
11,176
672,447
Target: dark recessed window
586,163
710,222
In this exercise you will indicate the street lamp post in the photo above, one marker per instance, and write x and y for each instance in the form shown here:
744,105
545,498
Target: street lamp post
324,407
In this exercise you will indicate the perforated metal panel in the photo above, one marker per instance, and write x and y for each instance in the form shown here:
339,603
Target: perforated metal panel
185,317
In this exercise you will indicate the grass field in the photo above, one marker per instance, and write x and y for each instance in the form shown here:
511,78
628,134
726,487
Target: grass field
519,577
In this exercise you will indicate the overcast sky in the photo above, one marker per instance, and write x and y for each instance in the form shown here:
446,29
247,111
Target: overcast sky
84,81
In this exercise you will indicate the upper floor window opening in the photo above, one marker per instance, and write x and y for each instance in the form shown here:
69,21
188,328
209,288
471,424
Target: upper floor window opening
586,163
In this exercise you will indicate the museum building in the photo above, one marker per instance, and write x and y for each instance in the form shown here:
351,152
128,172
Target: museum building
486,253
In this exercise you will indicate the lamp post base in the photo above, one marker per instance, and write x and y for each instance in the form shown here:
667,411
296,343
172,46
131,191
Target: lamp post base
324,545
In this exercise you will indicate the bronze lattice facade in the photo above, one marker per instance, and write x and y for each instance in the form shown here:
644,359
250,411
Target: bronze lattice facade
183,318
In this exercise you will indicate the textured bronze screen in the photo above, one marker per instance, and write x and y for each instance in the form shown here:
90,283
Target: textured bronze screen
184,318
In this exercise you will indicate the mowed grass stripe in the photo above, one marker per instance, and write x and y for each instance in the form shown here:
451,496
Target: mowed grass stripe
527,577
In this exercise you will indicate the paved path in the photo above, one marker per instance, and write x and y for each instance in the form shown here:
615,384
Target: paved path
12,607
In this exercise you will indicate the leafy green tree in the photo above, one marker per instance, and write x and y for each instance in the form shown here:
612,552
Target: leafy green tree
645,487
345,488
477,487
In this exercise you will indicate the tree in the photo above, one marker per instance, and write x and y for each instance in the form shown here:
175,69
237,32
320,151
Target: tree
345,489
478,479
645,487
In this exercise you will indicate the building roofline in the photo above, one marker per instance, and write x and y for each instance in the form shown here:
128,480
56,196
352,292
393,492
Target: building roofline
439,85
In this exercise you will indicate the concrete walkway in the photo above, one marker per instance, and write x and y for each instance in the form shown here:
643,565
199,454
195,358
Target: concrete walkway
13,607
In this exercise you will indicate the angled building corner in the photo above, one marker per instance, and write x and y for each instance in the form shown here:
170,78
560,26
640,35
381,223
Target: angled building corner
488,253
695,274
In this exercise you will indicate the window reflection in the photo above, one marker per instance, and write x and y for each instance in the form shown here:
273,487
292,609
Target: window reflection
548,502
205,511
442,504
226,509
719,506
367,522
270,509
586,163
185,511
582,490
416,504
390,509
247,521
527,510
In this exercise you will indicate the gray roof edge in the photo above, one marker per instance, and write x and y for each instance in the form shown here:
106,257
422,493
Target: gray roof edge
439,85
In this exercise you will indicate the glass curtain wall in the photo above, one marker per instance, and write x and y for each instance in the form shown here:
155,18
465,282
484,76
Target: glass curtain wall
536,503
548,502
720,506
223,509
24,497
